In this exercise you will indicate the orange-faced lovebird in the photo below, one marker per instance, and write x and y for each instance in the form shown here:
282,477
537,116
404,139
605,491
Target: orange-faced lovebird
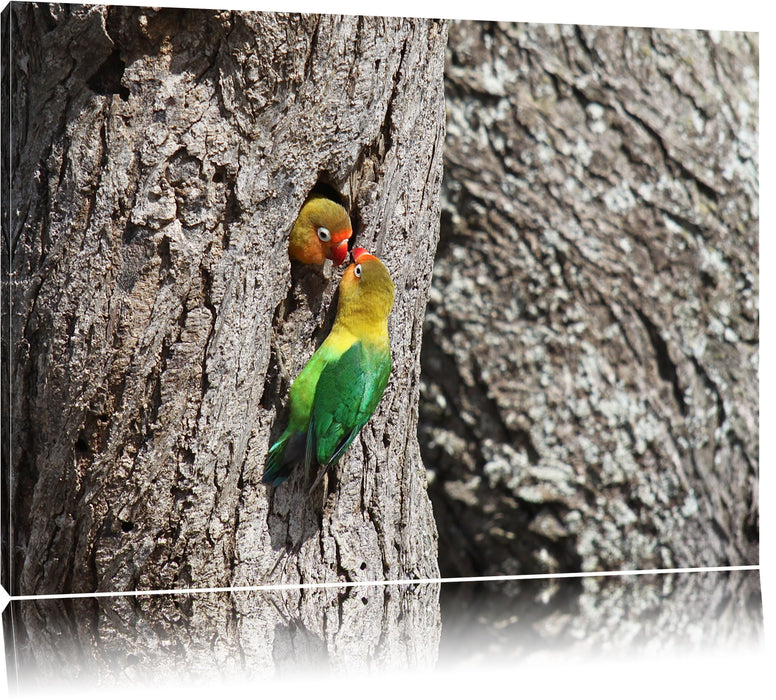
339,388
321,231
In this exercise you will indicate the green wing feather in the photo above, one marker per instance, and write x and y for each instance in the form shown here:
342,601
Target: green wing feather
346,396
346,391
294,445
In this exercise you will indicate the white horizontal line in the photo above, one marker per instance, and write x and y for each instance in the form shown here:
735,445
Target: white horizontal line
402,582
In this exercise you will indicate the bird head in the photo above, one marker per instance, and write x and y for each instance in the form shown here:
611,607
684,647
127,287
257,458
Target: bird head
321,231
366,288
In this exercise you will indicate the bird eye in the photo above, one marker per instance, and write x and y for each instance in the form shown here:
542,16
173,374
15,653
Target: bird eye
323,234
357,270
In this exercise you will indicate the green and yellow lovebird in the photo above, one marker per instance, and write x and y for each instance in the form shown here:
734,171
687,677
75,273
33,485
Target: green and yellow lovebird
321,231
339,388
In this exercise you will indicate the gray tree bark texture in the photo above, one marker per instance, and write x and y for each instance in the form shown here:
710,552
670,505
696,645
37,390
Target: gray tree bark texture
590,354
159,158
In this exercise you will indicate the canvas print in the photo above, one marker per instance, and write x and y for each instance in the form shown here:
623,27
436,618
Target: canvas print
298,304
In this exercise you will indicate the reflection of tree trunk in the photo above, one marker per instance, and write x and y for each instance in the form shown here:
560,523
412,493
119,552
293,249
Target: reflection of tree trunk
222,636
624,615
591,343
159,159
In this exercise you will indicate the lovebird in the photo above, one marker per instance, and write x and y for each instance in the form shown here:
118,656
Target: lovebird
321,231
339,388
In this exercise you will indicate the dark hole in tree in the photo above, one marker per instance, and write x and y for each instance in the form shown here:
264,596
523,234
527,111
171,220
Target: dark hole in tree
707,280
107,79
324,189
81,445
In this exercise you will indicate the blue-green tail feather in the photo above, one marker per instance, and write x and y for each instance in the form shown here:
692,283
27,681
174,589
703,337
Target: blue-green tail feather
282,457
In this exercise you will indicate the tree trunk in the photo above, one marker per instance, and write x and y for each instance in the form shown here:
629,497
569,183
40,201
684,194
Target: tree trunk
159,158
591,345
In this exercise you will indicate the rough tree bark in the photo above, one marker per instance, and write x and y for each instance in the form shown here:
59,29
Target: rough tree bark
159,158
591,346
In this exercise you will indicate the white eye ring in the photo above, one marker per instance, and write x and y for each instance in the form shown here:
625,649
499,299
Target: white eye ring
323,234
357,270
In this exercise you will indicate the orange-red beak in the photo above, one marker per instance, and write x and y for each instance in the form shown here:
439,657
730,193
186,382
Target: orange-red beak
338,253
